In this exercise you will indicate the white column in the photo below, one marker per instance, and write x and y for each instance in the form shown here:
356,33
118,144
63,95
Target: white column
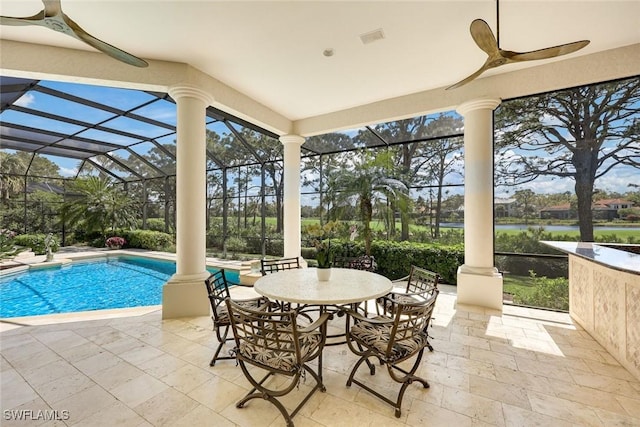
184,294
479,282
291,202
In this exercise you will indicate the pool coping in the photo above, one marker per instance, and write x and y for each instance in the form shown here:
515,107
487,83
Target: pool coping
60,259
10,323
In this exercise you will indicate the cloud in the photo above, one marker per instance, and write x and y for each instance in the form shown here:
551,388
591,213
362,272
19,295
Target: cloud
26,100
68,171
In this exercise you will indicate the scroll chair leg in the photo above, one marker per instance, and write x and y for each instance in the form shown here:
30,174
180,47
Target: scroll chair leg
409,376
408,379
222,339
359,351
261,392
363,358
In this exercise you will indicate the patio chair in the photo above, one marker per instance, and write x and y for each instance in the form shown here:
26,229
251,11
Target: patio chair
274,343
420,285
218,291
268,266
392,340
363,262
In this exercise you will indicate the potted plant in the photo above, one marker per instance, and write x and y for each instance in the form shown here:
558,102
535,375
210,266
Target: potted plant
115,242
324,253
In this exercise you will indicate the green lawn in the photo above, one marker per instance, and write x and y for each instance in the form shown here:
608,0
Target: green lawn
518,285
631,232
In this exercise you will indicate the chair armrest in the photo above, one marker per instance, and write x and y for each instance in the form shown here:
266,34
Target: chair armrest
359,317
315,325
402,279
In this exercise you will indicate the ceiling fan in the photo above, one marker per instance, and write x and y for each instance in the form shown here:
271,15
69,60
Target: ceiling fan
483,36
54,18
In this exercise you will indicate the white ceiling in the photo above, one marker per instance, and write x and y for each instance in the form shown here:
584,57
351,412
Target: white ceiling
271,51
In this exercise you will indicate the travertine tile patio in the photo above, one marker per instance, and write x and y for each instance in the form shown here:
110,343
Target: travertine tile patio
523,367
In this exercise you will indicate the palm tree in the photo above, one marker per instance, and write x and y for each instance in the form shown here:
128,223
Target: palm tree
366,184
99,205
10,181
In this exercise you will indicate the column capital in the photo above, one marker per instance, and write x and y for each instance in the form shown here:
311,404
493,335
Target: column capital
292,139
478,104
189,91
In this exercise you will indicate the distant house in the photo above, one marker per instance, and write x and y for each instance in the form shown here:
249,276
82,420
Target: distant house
504,207
608,208
615,203
562,211
602,209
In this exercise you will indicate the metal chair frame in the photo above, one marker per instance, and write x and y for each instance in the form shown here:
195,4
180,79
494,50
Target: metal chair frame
393,340
218,291
363,262
268,266
273,342
421,284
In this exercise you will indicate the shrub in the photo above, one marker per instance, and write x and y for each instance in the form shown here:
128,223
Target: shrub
147,239
549,293
115,242
236,244
395,259
7,244
156,224
35,242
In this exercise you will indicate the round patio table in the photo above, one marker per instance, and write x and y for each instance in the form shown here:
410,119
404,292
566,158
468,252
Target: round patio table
346,286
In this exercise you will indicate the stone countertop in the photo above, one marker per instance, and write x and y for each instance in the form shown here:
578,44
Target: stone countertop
610,257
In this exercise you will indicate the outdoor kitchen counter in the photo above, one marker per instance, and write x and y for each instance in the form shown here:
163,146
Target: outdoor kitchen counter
604,297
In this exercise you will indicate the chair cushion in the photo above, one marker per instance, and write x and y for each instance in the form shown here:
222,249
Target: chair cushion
399,298
223,313
376,337
264,351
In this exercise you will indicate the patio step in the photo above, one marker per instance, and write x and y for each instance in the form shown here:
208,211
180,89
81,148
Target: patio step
249,278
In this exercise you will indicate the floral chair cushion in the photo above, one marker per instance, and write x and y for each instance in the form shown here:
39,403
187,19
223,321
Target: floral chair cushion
223,313
399,298
377,337
276,350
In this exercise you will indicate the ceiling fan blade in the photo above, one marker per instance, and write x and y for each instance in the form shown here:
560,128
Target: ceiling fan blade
104,47
483,36
9,20
550,52
473,76
54,18
27,20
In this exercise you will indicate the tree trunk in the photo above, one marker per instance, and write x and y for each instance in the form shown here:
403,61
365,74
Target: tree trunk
367,214
391,219
404,223
279,208
585,177
436,229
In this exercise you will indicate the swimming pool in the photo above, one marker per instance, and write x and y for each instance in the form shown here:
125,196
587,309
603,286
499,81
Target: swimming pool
114,282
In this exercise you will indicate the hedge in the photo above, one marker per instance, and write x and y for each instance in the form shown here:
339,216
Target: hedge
146,239
395,259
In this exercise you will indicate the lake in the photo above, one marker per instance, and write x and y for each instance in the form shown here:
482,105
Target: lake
546,227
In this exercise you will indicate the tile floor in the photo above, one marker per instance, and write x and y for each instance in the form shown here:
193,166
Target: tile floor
130,368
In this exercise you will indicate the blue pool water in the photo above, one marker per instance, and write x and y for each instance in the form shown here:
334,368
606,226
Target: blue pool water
116,282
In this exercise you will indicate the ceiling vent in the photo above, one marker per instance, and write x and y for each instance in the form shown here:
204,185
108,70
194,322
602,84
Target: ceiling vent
372,36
